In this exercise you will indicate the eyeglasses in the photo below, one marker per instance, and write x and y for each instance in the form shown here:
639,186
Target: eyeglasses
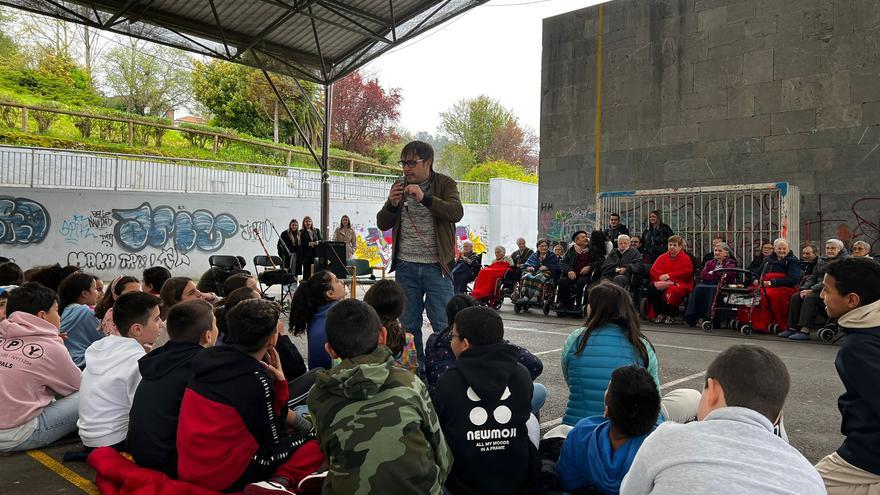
409,163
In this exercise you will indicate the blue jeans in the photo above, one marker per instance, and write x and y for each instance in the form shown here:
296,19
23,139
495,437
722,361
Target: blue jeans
426,289
539,396
57,420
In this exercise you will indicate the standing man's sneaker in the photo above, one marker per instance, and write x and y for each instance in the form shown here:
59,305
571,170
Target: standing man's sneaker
800,336
786,334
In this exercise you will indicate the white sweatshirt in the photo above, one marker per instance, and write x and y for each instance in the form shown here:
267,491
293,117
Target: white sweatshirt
732,451
108,385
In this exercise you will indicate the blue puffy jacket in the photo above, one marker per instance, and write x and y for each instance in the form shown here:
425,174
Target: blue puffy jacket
587,375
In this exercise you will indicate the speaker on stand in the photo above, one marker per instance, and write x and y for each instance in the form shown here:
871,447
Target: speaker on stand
331,256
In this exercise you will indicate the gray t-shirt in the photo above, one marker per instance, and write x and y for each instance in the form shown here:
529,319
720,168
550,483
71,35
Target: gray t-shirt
417,237
733,451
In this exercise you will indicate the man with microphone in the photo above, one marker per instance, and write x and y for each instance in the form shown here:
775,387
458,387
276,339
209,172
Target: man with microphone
421,212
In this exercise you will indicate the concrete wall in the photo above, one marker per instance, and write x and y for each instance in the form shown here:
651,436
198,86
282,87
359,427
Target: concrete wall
113,233
716,92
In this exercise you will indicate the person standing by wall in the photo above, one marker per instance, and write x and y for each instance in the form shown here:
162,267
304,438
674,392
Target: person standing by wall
289,247
345,233
421,212
309,237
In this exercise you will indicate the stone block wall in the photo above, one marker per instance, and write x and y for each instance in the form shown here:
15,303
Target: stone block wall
716,92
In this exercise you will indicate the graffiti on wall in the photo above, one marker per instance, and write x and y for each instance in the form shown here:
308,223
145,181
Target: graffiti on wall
168,257
161,226
22,221
857,228
559,225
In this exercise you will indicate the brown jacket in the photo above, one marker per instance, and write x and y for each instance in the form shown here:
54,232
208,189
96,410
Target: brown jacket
443,202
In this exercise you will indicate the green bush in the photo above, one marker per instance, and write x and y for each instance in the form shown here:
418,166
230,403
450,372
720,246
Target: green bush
491,170
83,125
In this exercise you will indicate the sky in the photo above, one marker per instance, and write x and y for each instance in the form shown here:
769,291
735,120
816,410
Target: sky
493,49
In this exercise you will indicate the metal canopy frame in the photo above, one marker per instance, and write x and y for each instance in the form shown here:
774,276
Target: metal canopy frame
317,40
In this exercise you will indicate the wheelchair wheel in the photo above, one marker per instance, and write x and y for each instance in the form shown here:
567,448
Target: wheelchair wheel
706,325
517,308
827,335
498,303
736,325
643,309
546,308
773,328
746,329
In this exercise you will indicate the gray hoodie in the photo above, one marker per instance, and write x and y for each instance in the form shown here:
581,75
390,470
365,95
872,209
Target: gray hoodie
733,450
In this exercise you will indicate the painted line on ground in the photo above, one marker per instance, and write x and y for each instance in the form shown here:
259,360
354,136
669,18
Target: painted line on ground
551,351
682,380
63,471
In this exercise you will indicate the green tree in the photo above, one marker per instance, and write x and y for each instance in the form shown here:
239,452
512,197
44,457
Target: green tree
489,170
455,160
148,78
8,46
474,123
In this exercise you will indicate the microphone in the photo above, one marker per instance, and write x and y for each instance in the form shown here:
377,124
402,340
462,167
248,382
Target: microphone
403,182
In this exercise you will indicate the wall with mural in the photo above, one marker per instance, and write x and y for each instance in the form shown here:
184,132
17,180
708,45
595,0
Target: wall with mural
112,233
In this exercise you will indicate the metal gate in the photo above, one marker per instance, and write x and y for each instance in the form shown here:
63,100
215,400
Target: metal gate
745,215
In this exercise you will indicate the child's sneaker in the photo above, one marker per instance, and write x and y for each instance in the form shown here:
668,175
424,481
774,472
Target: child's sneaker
270,487
313,483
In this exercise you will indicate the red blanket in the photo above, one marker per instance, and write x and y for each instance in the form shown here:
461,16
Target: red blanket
488,277
773,307
119,476
680,270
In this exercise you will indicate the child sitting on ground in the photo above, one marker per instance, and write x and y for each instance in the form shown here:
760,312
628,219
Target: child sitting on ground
111,375
598,452
104,308
77,294
308,313
154,278
732,448
40,369
484,405
852,295
375,421
387,298
234,417
152,427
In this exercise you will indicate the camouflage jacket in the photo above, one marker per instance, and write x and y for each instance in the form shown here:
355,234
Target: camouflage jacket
378,429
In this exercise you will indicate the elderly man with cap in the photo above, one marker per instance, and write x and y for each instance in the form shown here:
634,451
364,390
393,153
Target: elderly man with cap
577,271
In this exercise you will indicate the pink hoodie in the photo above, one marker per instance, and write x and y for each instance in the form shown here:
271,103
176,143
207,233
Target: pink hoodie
34,367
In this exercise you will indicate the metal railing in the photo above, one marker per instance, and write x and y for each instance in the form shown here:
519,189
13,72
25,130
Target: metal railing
744,215
75,169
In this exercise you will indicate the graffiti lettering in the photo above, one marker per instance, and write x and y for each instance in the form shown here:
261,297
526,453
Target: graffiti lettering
265,227
170,258
93,261
106,240
157,227
101,219
76,229
22,221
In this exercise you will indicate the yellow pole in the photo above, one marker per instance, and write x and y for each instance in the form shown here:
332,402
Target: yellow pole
599,114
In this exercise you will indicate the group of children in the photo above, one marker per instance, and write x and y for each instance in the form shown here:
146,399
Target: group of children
213,393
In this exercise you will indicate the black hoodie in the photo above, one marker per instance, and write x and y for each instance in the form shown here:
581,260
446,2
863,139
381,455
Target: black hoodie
483,405
152,424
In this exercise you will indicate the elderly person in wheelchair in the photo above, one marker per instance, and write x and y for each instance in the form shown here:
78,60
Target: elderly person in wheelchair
467,265
806,305
624,263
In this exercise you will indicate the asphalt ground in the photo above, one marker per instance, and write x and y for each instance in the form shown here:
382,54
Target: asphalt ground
811,416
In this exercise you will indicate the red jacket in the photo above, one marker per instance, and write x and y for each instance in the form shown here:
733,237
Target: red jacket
680,269
231,430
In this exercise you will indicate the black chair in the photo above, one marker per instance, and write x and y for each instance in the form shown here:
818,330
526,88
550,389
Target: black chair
222,266
270,272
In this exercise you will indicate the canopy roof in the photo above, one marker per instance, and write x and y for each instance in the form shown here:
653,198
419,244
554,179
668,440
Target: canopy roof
318,40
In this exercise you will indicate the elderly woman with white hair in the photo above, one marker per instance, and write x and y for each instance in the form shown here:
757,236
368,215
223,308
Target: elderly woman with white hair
467,265
701,299
861,249
487,279
780,275
805,304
